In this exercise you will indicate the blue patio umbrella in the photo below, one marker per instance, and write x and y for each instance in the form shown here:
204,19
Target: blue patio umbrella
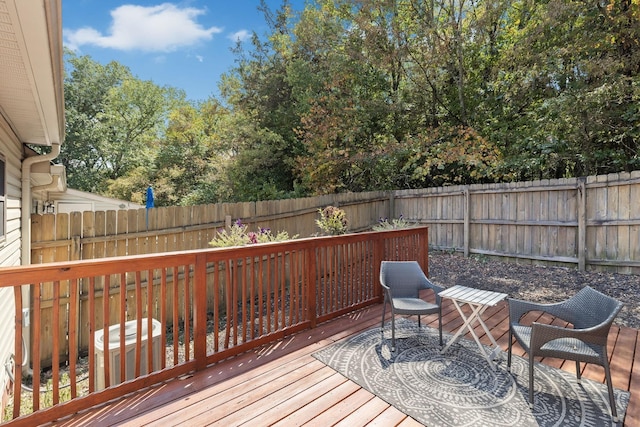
149,204
149,197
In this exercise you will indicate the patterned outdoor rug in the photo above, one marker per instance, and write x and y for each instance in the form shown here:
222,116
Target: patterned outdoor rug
459,388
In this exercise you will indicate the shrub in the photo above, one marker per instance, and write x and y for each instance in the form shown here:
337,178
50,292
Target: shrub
384,224
333,221
239,235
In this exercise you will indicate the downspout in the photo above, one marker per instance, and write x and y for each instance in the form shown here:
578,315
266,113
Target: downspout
25,232
25,223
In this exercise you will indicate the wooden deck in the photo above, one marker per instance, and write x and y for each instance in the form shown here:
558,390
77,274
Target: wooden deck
283,384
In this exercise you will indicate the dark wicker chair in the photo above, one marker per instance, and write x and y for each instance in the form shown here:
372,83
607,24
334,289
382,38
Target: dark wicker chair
401,282
590,312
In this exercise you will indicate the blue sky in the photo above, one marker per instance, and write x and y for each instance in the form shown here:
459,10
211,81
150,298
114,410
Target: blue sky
184,44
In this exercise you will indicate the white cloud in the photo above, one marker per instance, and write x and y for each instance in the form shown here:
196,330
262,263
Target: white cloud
162,28
241,35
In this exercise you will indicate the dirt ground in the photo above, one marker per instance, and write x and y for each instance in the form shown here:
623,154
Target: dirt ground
536,283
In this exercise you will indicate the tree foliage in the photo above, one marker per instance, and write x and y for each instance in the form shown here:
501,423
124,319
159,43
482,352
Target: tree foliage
115,123
357,95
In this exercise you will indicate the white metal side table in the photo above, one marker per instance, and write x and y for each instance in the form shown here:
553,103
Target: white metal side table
479,300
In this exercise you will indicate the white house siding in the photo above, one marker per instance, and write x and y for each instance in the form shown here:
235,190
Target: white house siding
10,248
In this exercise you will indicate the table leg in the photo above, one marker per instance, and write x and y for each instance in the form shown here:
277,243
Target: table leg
476,315
465,325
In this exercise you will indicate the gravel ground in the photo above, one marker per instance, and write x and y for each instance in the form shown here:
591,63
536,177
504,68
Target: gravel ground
536,283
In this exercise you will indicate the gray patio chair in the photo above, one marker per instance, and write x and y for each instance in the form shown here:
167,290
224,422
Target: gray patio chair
590,312
401,282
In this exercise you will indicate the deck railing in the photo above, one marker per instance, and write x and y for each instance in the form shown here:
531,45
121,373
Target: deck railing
223,302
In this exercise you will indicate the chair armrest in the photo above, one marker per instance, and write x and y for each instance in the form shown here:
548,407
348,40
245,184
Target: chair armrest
436,290
387,292
518,308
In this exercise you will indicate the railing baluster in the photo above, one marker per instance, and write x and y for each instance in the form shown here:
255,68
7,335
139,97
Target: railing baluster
200,311
163,314
150,317
269,291
261,293
36,319
216,307
187,312
243,284
19,357
176,329
55,358
228,301
73,336
138,360
92,332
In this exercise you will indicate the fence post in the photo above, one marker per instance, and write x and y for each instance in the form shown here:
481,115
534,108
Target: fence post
467,220
582,224
392,205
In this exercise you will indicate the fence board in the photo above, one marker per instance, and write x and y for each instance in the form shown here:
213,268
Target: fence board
612,209
122,229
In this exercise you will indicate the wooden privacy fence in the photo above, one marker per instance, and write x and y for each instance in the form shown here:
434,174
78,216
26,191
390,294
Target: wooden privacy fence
591,223
90,235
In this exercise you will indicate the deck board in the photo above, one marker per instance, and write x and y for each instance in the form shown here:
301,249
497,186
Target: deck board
283,384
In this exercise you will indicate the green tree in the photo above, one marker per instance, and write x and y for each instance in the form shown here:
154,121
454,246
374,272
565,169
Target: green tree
114,123
571,74
264,116
187,168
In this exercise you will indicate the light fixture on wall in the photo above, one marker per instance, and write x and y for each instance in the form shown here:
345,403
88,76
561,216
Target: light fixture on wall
49,207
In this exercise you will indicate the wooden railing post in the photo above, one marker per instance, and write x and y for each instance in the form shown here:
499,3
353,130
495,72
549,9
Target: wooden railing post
424,250
200,312
312,285
378,254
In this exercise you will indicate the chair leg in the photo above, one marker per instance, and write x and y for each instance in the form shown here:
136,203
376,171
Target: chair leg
440,325
384,311
393,331
530,381
509,351
578,374
419,324
612,400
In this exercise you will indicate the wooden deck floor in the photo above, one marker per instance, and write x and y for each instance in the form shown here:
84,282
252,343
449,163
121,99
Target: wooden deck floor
283,384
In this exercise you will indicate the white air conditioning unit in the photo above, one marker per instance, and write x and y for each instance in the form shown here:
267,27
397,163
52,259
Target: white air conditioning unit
130,338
